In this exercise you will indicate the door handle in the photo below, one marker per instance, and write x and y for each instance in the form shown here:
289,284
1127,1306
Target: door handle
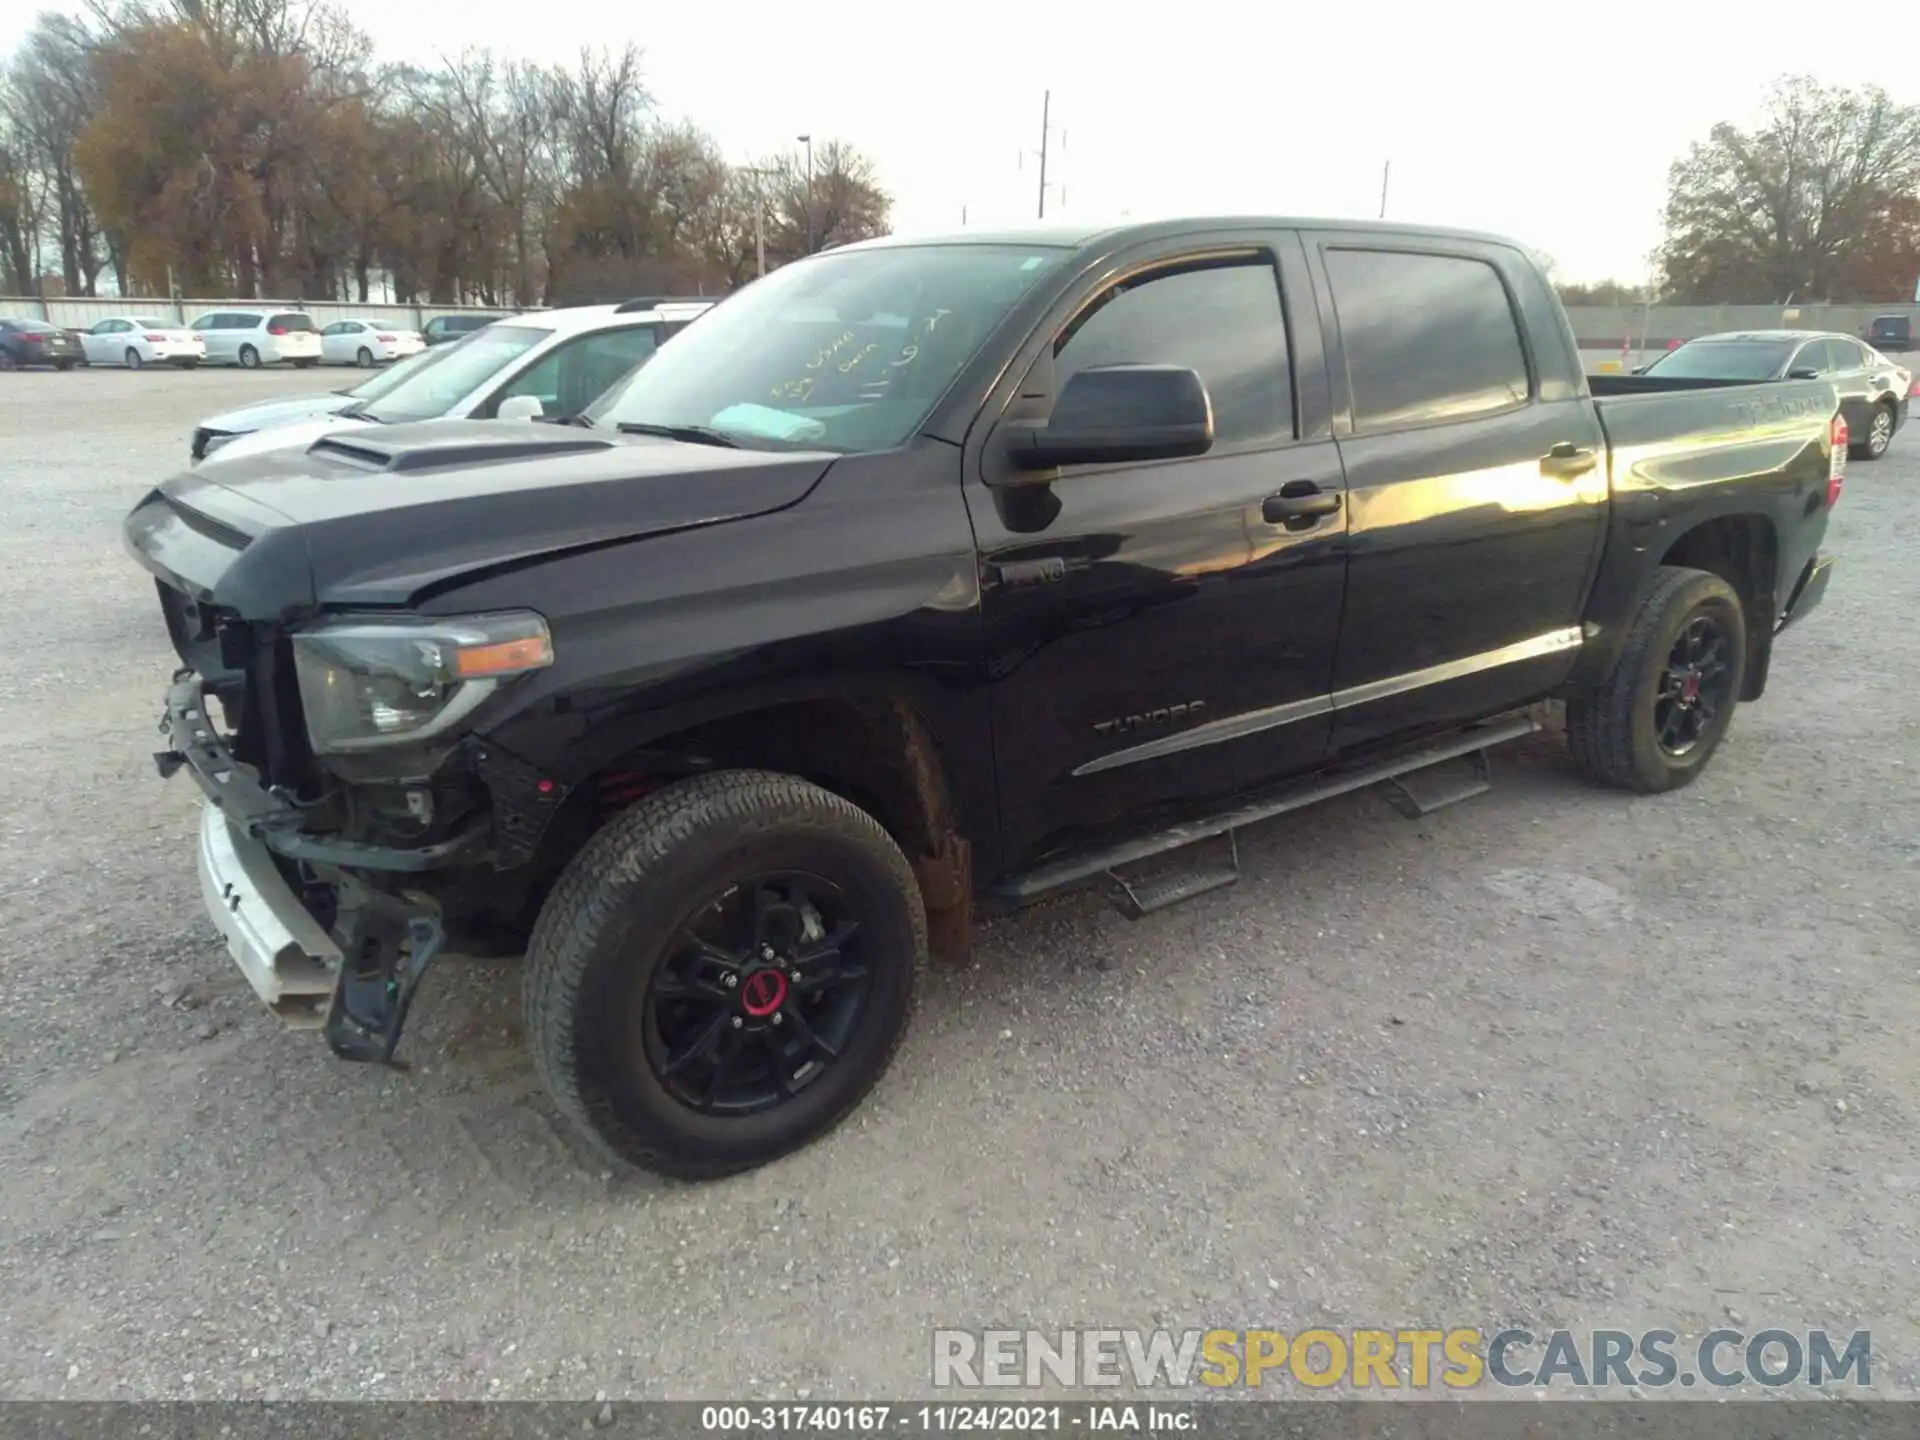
1568,461
1299,500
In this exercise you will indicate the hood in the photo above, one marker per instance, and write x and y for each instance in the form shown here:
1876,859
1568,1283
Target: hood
249,418
374,515
296,432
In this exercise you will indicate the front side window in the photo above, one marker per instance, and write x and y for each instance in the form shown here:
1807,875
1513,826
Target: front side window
572,376
1222,321
847,351
463,367
1428,337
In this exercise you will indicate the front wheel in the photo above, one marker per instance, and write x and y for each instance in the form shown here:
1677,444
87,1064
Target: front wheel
1659,717
249,358
723,972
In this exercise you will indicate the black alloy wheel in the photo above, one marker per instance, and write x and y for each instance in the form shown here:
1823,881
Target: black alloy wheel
756,995
1696,685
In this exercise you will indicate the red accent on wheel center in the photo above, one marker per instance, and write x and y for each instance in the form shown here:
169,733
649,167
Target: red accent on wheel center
764,992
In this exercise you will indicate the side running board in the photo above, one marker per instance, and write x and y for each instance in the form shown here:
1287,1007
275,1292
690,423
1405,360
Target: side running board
1137,897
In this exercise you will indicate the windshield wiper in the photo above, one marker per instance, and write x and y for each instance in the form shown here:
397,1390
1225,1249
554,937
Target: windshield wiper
358,411
692,434
581,421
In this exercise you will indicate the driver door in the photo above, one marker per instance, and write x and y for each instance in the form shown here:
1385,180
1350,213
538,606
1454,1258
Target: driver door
1151,633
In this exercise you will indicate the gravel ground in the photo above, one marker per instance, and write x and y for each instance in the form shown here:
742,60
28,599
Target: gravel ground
1552,1057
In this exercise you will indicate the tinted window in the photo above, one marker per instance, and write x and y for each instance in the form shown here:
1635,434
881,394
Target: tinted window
1428,337
848,350
1223,322
570,378
291,321
1724,360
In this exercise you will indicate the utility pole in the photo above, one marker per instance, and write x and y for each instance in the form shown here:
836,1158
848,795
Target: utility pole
759,225
807,140
1386,173
1046,107
1046,138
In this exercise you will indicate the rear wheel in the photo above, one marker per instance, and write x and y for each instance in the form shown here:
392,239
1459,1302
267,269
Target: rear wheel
1660,716
364,359
724,972
249,358
134,360
1878,437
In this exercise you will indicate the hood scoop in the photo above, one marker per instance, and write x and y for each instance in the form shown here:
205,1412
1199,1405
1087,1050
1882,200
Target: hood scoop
455,451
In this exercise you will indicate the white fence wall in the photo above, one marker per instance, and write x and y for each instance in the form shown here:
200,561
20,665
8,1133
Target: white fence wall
79,312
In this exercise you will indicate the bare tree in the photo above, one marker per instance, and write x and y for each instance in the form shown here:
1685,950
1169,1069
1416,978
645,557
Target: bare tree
1770,212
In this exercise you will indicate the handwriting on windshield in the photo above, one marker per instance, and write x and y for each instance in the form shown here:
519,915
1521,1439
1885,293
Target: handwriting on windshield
799,389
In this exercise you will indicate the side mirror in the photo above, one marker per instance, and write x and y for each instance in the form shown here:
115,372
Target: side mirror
1119,414
520,407
1639,369
1803,372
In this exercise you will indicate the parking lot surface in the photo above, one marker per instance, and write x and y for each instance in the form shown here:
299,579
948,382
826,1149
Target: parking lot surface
1553,1057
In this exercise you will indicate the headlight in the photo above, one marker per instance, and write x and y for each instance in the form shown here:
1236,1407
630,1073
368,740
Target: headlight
369,682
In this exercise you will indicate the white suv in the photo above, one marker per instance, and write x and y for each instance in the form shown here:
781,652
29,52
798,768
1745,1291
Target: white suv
548,364
252,338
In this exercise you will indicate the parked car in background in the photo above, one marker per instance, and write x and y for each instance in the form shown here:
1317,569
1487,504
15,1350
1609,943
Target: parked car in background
1890,332
216,430
252,338
25,343
1873,389
547,366
140,340
367,343
445,329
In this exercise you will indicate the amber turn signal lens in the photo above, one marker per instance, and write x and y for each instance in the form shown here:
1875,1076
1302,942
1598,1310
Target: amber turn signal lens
505,657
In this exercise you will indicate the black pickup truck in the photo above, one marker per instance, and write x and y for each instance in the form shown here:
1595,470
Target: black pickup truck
920,579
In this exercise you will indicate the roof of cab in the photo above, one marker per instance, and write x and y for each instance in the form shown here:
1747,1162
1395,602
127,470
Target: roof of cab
1073,237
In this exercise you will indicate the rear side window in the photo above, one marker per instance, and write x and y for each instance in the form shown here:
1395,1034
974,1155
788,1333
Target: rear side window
1427,338
1845,355
1222,321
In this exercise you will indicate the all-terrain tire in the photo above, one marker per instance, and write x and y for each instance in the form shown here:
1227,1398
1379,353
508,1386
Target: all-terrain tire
1612,733
605,928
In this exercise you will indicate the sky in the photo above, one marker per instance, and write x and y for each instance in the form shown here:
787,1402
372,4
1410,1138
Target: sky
1551,123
